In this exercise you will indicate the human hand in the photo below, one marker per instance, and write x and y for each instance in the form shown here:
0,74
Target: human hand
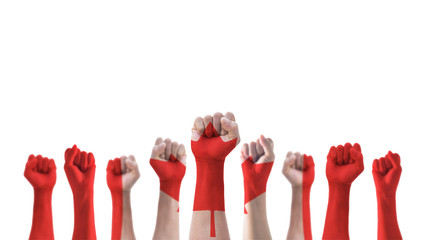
257,160
213,137
80,170
122,173
40,172
299,169
344,164
168,161
386,172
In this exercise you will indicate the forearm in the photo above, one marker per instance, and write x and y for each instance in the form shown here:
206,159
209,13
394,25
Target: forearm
42,227
127,223
122,226
255,221
388,227
336,223
209,195
167,225
296,228
306,215
84,220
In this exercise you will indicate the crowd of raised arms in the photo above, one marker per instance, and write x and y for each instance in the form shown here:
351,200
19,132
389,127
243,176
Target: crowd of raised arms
213,138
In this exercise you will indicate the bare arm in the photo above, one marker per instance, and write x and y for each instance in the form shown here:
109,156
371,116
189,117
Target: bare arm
167,224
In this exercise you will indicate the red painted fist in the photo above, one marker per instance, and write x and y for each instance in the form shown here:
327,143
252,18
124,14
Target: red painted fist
386,172
40,172
80,170
345,163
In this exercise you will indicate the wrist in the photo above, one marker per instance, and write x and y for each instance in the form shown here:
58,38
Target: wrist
254,188
171,188
42,192
339,192
340,185
210,174
258,206
83,194
209,194
383,195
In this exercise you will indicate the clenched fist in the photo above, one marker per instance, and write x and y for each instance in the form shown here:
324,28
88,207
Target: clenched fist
299,169
345,163
122,173
257,160
168,161
80,170
386,172
213,137
40,172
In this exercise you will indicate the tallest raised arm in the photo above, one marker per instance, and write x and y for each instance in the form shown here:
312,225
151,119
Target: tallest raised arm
213,138
80,170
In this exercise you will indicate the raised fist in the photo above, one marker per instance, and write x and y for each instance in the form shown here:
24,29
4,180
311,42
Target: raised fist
214,137
122,173
253,157
386,172
80,170
344,164
40,172
168,161
257,160
299,169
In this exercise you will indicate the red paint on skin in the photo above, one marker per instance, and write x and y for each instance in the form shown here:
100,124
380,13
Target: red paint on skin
307,179
255,178
344,165
80,170
386,172
41,173
115,183
210,152
170,175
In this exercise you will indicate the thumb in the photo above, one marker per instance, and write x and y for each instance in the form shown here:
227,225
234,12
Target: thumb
157,150
375,169
31,164
232,129
133,166
70,154
289,161
357,157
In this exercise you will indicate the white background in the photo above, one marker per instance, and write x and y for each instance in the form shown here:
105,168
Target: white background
112,76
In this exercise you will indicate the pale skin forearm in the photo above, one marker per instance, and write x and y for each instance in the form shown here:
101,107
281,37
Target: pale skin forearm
167,225
296,228
127,223
255,224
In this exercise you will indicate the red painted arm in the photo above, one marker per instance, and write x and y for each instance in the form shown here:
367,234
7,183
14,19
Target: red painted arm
80,170
344,164
41,173
386,172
